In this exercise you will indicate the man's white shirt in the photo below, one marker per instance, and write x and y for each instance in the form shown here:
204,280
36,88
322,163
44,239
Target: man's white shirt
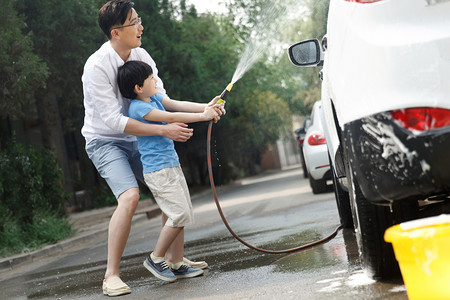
106,111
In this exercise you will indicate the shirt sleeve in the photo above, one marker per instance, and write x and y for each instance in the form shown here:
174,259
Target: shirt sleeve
104,98
138,109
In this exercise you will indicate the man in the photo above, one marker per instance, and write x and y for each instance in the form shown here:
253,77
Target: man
110,134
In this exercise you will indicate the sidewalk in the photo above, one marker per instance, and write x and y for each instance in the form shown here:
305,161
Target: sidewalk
87,225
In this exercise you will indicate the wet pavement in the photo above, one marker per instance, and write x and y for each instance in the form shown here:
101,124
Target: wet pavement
274,211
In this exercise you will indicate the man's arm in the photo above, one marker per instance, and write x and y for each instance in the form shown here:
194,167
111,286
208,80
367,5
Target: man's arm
174,131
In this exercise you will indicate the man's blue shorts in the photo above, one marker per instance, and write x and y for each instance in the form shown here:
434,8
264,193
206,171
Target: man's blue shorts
118,162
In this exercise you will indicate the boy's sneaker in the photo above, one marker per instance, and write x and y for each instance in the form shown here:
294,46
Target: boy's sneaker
189,263
184,271
160,269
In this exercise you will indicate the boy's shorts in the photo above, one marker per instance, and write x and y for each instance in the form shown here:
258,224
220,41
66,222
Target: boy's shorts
171,192
118,162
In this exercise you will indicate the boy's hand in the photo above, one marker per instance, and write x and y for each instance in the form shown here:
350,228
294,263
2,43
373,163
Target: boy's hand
213,101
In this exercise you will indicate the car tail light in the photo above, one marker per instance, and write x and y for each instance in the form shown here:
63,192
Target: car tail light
422,118
363,1
317,138
300,141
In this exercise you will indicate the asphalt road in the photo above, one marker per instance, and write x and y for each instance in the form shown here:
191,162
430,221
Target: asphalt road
273,211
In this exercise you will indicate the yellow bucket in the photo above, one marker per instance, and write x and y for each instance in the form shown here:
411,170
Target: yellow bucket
422,249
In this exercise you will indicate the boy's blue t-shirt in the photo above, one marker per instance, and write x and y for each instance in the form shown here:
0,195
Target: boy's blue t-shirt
157,152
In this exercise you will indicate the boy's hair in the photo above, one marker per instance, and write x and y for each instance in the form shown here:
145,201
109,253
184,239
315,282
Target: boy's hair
131,73
113,13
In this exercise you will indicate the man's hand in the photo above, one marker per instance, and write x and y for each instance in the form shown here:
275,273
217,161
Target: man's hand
179,132
211,112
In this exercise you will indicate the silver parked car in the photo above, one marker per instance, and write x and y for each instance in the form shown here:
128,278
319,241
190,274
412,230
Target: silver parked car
316,153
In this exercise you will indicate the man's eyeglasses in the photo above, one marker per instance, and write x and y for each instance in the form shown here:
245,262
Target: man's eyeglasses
135,24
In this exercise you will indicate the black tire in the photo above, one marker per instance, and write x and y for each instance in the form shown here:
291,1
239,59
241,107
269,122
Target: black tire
317,186
370,222
342,201
302,158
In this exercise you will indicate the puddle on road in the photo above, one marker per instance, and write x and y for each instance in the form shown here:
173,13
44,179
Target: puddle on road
358,283
240,257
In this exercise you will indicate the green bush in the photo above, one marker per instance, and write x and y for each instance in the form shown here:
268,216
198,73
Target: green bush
31,199
46,228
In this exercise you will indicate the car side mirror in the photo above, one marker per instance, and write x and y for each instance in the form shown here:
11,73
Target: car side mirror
306,53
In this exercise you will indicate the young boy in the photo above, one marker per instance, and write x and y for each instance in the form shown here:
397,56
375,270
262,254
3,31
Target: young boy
161,167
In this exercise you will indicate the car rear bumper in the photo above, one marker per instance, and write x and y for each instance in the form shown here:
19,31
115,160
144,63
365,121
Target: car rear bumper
317,161
392,163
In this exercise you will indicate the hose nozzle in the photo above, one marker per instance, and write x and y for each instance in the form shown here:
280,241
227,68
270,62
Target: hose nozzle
225,93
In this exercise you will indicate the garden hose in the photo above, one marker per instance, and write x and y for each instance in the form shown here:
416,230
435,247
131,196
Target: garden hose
213,187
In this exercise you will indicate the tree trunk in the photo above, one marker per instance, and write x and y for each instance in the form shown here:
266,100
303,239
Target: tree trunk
53,135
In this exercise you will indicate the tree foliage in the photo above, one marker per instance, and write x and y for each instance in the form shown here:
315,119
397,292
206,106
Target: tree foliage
22,72
311,25
64,34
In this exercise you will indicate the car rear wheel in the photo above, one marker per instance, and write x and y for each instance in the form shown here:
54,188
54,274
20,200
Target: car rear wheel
370,222
317,186
305,170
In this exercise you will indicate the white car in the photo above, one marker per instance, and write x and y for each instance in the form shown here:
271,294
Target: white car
386,107
316,153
